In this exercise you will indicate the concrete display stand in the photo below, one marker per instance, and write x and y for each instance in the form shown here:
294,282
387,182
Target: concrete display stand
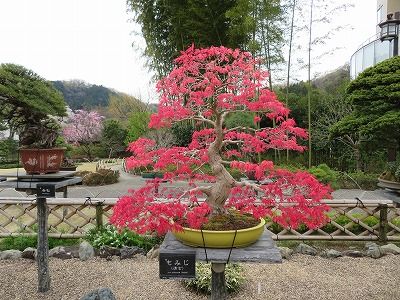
28,183
263,251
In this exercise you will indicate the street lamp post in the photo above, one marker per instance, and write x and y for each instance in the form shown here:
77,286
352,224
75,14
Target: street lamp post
390,31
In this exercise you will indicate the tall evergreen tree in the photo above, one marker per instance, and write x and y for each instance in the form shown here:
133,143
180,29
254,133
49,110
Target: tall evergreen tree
375,95
24,96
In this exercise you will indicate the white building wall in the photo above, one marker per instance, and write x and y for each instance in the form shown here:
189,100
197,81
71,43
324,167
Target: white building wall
383,8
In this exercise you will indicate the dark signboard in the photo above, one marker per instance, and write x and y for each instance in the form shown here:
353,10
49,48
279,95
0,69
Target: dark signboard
46,190
177,265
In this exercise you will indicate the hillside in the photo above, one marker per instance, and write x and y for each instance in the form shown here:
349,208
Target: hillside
331,81
79,94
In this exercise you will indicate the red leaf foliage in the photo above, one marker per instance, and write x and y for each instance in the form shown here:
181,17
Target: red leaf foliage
206,86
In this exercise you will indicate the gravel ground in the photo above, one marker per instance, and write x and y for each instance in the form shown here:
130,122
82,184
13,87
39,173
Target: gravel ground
301,277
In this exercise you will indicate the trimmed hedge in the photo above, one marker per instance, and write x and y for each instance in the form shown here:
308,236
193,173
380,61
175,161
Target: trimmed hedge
100,177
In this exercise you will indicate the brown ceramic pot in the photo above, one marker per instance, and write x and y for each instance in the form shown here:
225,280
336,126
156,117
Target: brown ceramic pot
41,161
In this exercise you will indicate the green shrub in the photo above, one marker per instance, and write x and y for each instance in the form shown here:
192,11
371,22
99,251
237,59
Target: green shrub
371,221
109,236
396,221
357,180
100,177
182,133
325,175
23,242
342,220
354,227
9,165
274,227
234,278
8,151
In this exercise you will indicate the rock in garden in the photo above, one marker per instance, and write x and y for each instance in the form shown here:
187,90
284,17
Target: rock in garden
285,252
107,251
129,252
390,249
10,254
86,251
305,249
332,253
353,253
29,253
373,250
100,294
60,252
74,250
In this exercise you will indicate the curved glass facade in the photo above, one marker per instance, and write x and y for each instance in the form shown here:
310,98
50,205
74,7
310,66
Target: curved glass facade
369,55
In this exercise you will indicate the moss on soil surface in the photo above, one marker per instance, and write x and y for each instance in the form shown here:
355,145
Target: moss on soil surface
233,220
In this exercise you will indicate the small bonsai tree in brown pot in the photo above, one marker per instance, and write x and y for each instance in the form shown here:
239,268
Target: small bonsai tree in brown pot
29,105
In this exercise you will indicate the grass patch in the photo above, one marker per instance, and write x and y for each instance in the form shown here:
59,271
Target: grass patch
23,242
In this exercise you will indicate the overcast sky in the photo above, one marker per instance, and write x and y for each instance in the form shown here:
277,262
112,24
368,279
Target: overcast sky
91,40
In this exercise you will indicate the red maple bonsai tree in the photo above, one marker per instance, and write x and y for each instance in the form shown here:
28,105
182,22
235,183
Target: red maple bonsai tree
206,86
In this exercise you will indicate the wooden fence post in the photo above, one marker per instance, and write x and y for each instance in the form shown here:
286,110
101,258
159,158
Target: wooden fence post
43,246
99,215
383,222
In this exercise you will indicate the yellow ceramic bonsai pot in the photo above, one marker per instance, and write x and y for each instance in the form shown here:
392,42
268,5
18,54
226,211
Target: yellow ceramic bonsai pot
220,239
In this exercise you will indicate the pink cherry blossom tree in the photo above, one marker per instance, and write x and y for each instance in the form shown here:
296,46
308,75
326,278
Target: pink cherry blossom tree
206,86
83,128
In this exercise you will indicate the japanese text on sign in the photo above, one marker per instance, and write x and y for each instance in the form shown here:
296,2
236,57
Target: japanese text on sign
177,265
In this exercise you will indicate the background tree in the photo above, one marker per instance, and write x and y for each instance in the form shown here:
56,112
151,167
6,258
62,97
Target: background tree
122,105
329,104
261,23
138,125
3,128
84,128
8,150
375,96
113,137
332,107
182,133
26,99
169,27
307,15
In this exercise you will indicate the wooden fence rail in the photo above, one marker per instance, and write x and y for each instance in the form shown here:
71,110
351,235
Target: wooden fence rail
369,220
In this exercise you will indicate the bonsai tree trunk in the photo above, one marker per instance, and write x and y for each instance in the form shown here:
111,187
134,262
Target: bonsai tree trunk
219,192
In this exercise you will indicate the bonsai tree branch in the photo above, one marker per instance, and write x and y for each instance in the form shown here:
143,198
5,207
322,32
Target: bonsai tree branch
204,189
241,128
254,186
